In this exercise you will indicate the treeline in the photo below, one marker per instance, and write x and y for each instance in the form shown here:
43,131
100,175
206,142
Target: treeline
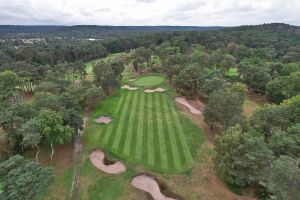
91,31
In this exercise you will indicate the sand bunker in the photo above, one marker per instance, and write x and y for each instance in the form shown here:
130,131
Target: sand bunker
97,159
158,89
131,80
184,102
128,87
103,120
149,184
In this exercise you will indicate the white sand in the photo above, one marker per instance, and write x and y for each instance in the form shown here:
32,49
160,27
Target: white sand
97,159
128,87
103,119
184,102
149,184
131,80
158,89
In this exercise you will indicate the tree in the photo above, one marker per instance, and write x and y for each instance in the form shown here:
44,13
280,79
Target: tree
228,62
142,55
50,125
23,179
211,85
118,68
283,87
270,118
278,89
222,106
8,82
31,135
256,77
241,157
187,80
282,143
240,89
105,77
294,107
288,69
283,179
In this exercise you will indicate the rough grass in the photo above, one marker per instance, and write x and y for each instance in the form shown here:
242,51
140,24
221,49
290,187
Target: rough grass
249,107
149,81
60,187
106,188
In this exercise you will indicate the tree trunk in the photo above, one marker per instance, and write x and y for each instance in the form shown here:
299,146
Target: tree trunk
52,152
37,153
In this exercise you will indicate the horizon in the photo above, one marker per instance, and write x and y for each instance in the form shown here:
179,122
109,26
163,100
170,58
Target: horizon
162,25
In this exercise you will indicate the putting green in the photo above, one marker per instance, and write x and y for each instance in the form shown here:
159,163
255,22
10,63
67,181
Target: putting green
149,81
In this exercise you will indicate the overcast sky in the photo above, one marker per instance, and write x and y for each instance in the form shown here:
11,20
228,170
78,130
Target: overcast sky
149,12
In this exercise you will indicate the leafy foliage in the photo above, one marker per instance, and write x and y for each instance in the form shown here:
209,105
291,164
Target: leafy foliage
23,179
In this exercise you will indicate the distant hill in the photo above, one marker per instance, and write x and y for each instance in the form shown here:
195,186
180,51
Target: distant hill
40,29
270,27
95,31
27,29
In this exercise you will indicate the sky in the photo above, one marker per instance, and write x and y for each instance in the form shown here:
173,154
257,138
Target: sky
149,12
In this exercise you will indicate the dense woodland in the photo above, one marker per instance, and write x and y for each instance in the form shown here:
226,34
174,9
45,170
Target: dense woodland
261,152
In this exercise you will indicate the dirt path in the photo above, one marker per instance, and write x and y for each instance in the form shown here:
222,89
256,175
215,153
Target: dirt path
77,157
212,183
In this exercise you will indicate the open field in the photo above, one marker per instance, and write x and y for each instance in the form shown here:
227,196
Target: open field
147,129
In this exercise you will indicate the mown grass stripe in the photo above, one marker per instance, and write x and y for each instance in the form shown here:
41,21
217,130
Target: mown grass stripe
185,147
171,132
145,131
131,125
122,121
110,127
139,145
170,159
164,163
125,125
150,145
156,147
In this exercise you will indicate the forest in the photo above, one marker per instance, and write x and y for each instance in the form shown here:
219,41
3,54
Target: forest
54,84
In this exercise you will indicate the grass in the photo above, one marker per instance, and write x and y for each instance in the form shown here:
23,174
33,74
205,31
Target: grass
149,81
232,72
147,130
106,188
61,186
89,65
249,107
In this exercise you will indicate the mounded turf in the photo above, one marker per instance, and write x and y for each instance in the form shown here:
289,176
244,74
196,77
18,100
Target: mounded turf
147,129
149,81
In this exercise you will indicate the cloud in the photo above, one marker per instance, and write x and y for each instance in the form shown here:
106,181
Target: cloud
145,1
149,12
